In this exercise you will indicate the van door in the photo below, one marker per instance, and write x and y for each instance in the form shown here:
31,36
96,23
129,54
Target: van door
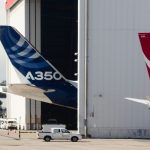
65,134
57,134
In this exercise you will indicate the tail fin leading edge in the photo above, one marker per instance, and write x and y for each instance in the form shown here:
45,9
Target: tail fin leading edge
145,44
38,71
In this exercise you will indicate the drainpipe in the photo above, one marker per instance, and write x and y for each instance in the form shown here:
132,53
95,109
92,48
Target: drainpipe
82,66
86,68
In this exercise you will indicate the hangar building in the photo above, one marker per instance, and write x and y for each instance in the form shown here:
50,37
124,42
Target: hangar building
111,67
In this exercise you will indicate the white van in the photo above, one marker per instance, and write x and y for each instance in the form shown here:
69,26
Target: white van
8,123
3,123
11,124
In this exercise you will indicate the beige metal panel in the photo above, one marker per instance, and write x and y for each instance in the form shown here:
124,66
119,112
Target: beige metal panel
24,17
32,23
116,68
33,34
16,19
38,25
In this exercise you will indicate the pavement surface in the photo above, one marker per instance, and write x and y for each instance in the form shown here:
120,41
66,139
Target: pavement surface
28,141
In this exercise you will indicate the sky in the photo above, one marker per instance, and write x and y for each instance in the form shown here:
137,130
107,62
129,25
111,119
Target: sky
2,53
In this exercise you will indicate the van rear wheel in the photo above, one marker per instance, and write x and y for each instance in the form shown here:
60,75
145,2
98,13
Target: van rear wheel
47,138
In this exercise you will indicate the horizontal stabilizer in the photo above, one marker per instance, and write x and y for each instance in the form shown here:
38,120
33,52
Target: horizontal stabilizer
30,92
142,101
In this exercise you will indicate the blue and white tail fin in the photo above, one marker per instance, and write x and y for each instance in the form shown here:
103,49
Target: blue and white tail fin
38,71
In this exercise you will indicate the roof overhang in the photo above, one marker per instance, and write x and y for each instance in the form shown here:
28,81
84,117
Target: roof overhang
10,3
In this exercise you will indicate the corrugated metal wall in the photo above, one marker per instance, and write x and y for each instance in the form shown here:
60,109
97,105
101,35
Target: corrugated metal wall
27,12
33,34
116,68
12,74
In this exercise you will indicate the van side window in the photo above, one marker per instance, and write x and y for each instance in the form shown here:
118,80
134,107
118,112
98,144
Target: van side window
64,131
56,130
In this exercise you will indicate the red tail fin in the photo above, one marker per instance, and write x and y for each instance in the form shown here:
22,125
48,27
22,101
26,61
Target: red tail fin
145,44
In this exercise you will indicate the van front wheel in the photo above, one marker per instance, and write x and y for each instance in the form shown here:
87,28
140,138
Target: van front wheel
74,139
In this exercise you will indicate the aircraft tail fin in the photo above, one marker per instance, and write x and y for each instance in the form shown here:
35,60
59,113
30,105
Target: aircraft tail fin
36,69
145,44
